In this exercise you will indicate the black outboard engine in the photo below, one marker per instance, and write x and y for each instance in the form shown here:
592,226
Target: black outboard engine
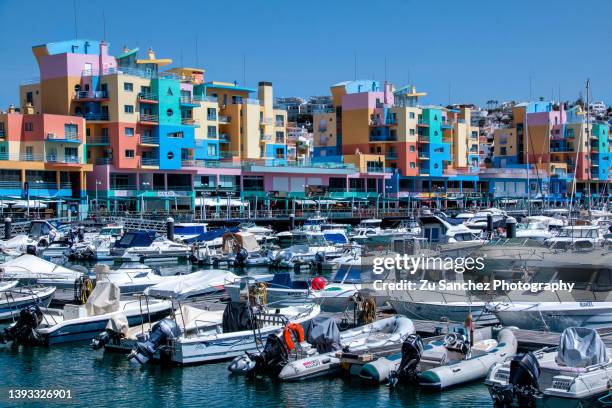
23,331
106,337
412,349
269,362
241,256
164,330
522,384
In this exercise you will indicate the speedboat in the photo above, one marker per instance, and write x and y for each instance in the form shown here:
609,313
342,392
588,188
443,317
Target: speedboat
576,373
588,234
14,299
194,284
451,240
57,251
281,290
30,269
98,246
46,326
130,277
480,219
41,233
440,364
139,245
315,249
240,329
320,347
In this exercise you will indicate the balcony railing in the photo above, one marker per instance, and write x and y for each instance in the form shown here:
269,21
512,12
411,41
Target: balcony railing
21,157
188,100
52,158
266,138
383,138
391,155
66,137
104,160
190,122
2,133
149,161
91,95
95,116
149,139
224,138
202,98
145,117
266,121
101,140
147,96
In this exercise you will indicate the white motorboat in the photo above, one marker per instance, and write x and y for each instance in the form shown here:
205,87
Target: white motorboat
480,219
14,299
282,290
40,235
578,234
240,329
130,277
30,269
319,351
139,245
577,373
98,246
73,323
450,240
444,363
553,316
195,284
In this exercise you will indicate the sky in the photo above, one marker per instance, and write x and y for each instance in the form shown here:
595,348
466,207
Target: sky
456,51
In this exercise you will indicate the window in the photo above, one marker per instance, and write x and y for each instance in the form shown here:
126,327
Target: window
212,132
169,112
175,135
211,149
411,115
129,153
280,137
170,155
128,86
412,148
211,113
412,132
71,131
128,108
29,126
129,131
412,165
29,153
29,98
503,151
280,153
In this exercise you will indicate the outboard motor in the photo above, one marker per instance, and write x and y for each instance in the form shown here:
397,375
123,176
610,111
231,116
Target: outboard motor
166,329
522,384
241,256
319,259
273,357
412,349
23,331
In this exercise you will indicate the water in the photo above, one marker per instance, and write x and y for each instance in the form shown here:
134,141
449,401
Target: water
106,379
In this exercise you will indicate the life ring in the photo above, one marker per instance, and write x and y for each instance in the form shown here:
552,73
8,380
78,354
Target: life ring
295,328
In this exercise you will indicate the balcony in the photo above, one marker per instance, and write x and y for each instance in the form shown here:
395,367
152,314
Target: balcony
21,157
149,140
95,116
69,137
391,155
147,97
280,123
224,138
422,123
149,161
147,118
280,140
266,138
192,163
52,158
190,122
102,161
266,121
224,119
383,138
189,101
375,169
2,133
90,95
98,140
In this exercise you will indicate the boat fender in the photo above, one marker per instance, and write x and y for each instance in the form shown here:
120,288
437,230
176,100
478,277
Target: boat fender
290,330
164,330
318,283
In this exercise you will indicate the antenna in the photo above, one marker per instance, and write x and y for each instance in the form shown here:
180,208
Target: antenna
103,25
196,52
76,31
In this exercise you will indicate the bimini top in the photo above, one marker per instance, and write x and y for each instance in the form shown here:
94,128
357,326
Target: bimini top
136,239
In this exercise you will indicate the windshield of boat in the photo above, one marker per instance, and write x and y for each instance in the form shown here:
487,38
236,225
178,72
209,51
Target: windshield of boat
348,274
532,226
111,231
465,236
578,233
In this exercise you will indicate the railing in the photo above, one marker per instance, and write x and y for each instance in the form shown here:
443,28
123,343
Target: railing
190,121
69,136
147,161
144,117
375,169
280,140
52,158
123,186
266,138
391,155
187,100
21,157
202,98
103,161
95,116
149,139
90,95
224,138
251,101
266,121
104,139
2,133
383,138
147,96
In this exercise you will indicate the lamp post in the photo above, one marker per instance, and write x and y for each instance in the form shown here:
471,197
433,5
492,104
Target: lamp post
145,184
229,201
377,203
98,182
39,182
203,203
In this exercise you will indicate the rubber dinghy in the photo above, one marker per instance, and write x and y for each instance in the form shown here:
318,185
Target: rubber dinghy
298,355
444,363
576,372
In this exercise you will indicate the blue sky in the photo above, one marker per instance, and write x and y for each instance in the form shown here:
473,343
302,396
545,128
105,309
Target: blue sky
479,50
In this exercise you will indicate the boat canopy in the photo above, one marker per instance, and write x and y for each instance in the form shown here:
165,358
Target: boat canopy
581,347
348,274
136,239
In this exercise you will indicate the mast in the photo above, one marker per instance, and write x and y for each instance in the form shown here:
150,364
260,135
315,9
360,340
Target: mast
588,146
527,168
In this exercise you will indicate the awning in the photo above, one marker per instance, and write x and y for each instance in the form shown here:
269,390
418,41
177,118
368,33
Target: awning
29,203
221,202
315,202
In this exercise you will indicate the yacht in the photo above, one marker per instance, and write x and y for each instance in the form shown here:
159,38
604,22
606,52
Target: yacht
139,245
479,221
577,235
450,240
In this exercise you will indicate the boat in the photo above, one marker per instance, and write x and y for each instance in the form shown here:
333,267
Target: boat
186,231
449,240
315,249
194,284
578,234
57,251
321,349
41,233
129,277
30,269
47,326
576,373
141,245
98,246
281,290
14,299
240,329
441,364
479,221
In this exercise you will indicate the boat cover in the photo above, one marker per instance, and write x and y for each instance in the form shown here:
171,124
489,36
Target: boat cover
193,284
136,239
322,333
32,267
246,240
211,235
118,324
581,347
105,298
237,316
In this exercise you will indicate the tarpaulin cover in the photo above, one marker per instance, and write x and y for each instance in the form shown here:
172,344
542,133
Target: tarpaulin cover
193,284
323,333
104,299
581,347
237,317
